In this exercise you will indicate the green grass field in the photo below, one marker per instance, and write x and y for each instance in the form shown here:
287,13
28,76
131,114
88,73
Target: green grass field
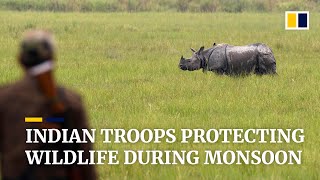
126,67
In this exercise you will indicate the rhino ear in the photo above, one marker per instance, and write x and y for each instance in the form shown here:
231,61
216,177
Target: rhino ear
193,50
201,49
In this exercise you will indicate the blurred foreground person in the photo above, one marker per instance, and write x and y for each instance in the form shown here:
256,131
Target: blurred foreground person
37,95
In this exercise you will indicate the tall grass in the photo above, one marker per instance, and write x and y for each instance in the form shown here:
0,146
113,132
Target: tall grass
125,66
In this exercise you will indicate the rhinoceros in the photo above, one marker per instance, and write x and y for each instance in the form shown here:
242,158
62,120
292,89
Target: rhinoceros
232,60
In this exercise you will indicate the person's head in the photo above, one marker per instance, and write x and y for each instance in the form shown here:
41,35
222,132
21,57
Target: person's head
37,47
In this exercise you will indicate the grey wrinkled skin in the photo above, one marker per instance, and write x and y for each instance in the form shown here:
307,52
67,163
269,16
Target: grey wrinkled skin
232,60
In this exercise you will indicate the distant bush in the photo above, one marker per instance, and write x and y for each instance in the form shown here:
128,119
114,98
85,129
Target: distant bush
300,5
160,5
182,5
259,6
208,6
232,5
293,6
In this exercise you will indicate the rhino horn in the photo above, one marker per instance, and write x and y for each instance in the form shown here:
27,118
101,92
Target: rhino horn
193,50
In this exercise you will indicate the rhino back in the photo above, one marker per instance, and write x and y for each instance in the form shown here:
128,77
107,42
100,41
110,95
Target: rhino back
217,59
241,59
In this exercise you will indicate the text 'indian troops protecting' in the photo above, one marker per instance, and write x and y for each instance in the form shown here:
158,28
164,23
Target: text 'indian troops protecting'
165,157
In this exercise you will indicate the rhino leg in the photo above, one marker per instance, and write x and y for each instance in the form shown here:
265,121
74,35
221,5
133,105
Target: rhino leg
218,66
220,71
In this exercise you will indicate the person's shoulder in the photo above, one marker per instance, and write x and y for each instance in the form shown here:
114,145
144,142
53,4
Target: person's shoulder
5,95
3,87
72,98
4,90
21,86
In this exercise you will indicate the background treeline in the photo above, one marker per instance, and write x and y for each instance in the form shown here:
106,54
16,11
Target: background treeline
160,5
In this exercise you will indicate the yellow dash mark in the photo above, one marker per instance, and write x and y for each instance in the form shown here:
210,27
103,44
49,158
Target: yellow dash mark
292,20
33,119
